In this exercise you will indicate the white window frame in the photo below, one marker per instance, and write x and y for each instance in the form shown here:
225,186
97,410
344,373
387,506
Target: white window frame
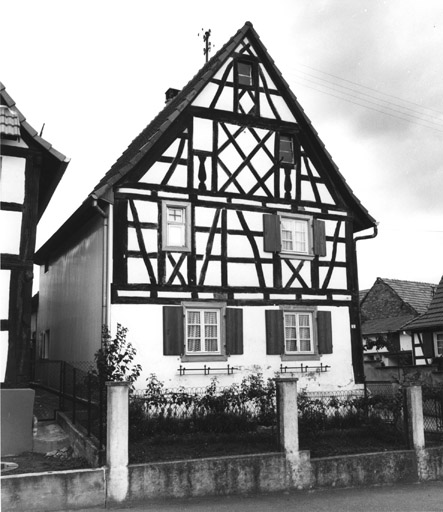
438,337
297,313
220,310
308,252
186,208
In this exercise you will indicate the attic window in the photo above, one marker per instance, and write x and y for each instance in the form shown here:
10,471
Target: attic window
286,150
244,73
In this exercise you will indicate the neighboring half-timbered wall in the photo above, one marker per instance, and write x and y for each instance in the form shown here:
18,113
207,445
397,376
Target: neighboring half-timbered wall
19,178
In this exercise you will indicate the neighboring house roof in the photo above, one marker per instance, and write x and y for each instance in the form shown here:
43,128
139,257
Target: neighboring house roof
417,295
54,163
385,325
362,294
172,112
433,318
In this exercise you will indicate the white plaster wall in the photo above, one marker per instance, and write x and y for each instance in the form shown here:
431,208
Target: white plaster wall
10,229
70,303
5,276
12,179
145,332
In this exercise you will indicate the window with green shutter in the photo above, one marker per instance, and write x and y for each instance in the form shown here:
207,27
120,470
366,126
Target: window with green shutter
298,332
202,331
294,236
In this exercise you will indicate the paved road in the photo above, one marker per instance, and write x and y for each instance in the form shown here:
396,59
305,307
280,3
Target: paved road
427,497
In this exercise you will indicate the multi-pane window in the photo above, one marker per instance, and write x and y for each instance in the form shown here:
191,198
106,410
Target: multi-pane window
176,225
295,235
286,150
439,343
298,333
176,221
244,73
202,331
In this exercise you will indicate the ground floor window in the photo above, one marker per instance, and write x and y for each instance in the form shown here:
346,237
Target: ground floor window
202,331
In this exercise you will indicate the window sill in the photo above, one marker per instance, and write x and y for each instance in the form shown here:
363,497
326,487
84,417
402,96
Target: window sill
205,358
295,256
300,357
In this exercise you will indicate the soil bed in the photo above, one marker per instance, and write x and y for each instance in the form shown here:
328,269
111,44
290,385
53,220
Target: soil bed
30,462
195,446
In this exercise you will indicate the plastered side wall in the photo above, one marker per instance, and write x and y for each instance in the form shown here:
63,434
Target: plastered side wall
70,304
145,332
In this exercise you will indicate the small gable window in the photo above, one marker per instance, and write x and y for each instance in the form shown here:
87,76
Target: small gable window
292,235
286,151
244,70
176,226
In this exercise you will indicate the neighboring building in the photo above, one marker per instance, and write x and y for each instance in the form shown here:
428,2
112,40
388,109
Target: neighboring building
386,311
222,238
427,331
30,171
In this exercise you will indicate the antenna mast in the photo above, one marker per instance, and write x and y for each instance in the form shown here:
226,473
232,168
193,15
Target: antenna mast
208,44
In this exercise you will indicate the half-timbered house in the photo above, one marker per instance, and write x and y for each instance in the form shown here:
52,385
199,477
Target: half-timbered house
223,238
30,170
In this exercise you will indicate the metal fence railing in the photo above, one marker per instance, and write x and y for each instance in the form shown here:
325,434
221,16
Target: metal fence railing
433,409
81,395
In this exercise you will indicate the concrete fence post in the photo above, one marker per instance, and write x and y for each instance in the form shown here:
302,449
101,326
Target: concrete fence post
117,430
414,404
287,414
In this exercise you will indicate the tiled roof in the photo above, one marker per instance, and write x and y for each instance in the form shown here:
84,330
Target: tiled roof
54,162
385,325
417,295
172,112
433,318
9,123
140,146
147,138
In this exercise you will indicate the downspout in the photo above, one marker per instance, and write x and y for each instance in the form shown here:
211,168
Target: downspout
107,220
357,327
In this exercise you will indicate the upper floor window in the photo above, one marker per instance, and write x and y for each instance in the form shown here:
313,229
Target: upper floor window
292,235
286,149
295,235
176,226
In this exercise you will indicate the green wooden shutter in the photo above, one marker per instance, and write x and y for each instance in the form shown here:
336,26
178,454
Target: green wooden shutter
173,333
428,344
234,331
271,233
274,332
319,232
324,332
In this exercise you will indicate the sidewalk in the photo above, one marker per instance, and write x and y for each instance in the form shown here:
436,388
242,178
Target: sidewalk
426,497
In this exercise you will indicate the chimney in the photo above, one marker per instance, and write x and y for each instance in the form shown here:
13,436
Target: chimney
171,94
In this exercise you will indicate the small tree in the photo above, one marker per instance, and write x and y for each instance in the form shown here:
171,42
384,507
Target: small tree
115,358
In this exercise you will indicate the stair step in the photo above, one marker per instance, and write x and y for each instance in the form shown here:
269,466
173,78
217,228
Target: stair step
50,437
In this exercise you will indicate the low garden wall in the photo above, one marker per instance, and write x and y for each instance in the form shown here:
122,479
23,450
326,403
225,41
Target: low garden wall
260,473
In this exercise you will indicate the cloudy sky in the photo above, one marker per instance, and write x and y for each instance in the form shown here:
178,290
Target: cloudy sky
367,72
